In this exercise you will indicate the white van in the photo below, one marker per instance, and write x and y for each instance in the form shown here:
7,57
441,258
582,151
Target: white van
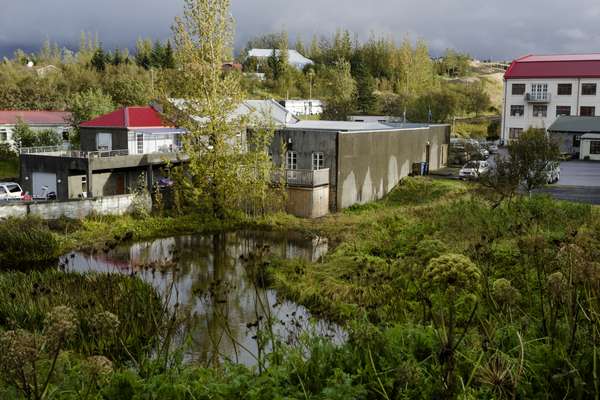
10,191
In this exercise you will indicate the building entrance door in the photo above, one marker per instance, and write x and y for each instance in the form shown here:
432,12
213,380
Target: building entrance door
120,186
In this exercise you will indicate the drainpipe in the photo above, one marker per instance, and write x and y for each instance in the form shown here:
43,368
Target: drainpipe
503,127
578,94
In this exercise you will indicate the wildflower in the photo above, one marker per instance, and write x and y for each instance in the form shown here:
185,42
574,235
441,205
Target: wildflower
452,273
61,325
557,284
505,293
99,365
106,323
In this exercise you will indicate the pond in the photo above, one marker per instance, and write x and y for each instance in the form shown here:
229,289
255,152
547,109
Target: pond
208,277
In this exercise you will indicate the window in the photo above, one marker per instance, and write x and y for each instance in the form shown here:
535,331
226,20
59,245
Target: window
587,111
65,135
2,190
140,143
104,141
564,89
3,135
540,110
517,111
595,147
14,188
518,89
563,110
318,161
514,133
576,140
291,160
588,89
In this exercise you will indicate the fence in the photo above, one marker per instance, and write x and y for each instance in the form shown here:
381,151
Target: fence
77,209
305,177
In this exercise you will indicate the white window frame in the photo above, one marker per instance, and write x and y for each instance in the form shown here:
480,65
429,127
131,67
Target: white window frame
104,141
139,141
291,160
318,160
3,135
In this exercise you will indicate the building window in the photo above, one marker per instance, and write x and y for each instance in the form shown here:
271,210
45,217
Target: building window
291,160
563,110
540,110
564,89
576,140
595,147
140,143
318,161
518,89
3,135
517,111
587,111
514,133
588,89
65,135
104,142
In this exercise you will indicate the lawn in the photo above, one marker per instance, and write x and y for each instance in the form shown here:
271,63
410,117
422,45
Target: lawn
9,169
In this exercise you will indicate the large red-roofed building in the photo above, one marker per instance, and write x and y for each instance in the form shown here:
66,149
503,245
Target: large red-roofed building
538,89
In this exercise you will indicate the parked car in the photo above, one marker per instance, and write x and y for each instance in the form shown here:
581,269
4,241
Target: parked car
473,170
10,191
492,148
552,173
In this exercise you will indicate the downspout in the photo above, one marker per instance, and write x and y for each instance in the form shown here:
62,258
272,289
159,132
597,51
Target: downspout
578,95
502,134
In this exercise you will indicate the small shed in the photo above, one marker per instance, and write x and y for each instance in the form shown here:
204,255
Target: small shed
590,147
568,131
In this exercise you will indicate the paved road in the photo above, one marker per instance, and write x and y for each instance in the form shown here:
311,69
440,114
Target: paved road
580,194
580,173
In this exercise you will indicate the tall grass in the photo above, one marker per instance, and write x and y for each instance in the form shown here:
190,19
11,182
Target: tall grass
25,243
119,315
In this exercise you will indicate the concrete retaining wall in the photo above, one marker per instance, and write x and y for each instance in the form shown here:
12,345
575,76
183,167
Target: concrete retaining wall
308,202
76,209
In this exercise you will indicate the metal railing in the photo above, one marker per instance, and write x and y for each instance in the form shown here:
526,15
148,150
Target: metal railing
538,97
304,177
45,149
64,151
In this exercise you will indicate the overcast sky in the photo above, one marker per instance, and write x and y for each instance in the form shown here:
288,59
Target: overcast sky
484,28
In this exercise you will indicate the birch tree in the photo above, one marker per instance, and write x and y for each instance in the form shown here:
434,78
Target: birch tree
219,160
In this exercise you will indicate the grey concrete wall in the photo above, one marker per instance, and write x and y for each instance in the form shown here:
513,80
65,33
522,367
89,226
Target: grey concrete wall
305,143
87,138
565,141
308,202
77,209
370,164
63,167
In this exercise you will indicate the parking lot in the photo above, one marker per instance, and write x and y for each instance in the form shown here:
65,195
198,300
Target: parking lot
579,181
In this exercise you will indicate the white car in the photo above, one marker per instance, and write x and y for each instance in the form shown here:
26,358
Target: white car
552,173
10,191
474,169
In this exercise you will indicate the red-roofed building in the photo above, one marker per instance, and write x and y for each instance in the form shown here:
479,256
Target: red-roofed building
540,88
37,120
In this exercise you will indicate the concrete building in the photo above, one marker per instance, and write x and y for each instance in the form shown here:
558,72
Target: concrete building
295,59
364,161
303,107
37,120
590,147
540,88
118,151
568,131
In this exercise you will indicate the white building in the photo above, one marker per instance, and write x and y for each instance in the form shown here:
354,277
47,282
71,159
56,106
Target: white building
295,59
303,107
36,120
539,89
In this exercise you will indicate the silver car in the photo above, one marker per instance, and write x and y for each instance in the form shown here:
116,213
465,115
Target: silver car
10,191
473,170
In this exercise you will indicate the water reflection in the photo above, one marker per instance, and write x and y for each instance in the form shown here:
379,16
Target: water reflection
208,275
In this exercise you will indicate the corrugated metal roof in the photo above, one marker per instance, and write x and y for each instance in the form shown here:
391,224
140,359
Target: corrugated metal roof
555,66
35,117
352,126
575,124
128,117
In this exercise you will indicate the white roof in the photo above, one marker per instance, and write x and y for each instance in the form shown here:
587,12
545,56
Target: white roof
352,126
589,136
294,57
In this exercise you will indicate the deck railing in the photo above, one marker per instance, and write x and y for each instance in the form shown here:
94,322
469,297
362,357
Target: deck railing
305,177
65,151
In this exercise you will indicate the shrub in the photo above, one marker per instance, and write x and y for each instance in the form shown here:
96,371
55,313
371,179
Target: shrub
25,243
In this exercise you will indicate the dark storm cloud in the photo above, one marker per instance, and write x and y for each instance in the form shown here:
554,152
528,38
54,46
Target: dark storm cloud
494,29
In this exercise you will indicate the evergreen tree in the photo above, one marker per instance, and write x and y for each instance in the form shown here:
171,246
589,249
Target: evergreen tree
366,100
98,61
169,58
117,58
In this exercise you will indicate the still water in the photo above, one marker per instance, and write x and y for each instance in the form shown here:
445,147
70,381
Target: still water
208,277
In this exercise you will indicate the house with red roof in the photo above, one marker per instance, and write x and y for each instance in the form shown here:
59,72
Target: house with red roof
118,150
37,120
538,89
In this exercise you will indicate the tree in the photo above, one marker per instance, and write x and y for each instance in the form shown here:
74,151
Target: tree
85,106
216,175
529,159
366,100
98,61
27,137
341,100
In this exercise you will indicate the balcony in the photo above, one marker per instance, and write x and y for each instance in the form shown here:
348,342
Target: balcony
538,97
305,177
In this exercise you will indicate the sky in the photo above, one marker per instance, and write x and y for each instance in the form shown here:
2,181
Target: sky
486,29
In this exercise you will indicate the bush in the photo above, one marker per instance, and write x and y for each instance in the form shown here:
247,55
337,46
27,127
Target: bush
118,315
26,243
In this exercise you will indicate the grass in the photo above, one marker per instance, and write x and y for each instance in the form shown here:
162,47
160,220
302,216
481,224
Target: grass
9,169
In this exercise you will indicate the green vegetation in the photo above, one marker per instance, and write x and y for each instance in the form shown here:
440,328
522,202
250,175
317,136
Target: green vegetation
26,243
9,168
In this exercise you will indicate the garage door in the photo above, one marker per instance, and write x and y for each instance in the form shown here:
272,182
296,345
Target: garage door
43,183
